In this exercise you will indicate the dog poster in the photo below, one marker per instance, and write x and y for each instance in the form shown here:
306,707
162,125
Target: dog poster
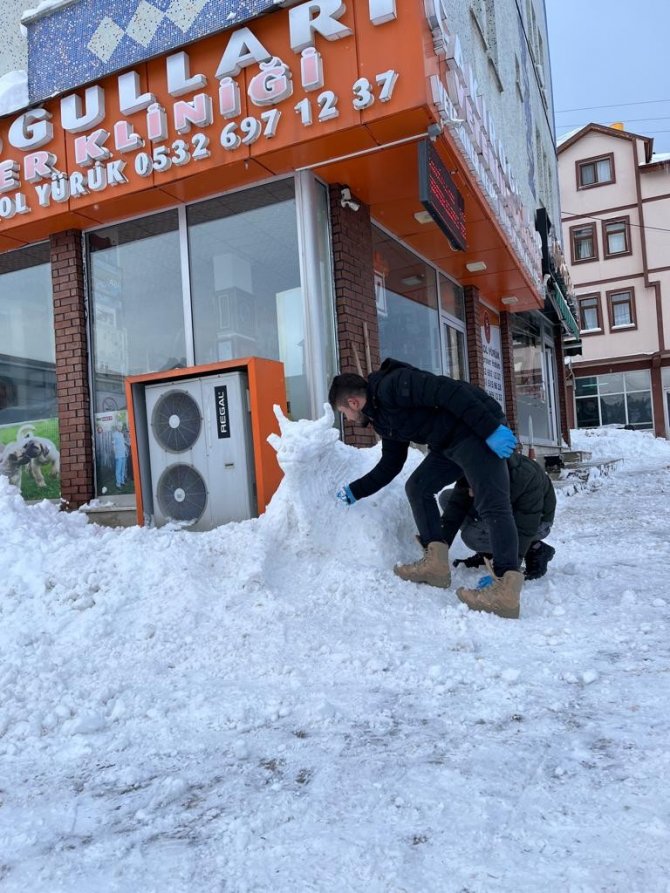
30,458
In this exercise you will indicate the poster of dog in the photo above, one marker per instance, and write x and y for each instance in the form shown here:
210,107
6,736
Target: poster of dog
30,458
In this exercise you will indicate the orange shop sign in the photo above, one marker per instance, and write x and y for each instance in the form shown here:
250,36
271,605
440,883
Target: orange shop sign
290,76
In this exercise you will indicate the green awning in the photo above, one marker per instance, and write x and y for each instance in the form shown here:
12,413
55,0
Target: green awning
560,303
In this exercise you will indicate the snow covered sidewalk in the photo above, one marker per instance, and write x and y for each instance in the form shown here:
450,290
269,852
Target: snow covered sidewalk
266,707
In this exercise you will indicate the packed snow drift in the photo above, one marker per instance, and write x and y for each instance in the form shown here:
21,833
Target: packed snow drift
266,707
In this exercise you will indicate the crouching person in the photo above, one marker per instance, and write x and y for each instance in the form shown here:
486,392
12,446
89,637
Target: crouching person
466,434
533,506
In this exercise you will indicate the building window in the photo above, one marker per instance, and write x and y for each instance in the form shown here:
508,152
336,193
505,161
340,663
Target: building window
533,380
616,237
589,314
246,291
621,305
518,79
595,172
213,281
584,243
452,314
620,398
478,10
406,291
28,407
138,323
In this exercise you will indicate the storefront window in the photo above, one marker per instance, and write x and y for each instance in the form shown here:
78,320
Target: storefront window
138,325
620,398
452,298
245,283
452,315
29,439
534,403
406,292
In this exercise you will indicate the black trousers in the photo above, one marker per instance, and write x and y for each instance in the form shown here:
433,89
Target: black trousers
488,477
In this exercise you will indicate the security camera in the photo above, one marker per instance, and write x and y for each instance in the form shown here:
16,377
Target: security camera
347,201
434,130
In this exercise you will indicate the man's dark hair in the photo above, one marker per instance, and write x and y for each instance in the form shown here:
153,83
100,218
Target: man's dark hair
344,386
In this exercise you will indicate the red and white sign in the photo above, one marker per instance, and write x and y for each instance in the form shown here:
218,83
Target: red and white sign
493,369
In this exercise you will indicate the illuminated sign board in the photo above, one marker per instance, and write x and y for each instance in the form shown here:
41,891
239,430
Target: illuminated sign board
440,197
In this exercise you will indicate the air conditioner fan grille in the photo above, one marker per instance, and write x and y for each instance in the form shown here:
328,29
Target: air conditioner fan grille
176,421
181,493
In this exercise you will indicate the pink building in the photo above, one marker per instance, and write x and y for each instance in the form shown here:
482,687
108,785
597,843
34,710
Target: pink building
615,200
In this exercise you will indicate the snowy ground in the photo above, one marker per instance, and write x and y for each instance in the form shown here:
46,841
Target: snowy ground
267,708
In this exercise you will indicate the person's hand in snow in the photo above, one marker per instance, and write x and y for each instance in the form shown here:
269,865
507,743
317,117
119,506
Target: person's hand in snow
345,495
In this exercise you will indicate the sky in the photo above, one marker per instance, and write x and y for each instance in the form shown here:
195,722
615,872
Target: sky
267,708
611,55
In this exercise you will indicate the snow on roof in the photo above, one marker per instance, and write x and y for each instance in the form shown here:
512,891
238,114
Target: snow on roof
566,136
13,91
659,157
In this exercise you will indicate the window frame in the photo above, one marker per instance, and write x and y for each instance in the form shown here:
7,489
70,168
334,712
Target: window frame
588,332
625,392
583,162
607,254
573,245
626,327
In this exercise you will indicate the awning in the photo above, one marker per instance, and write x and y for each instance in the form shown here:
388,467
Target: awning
562,308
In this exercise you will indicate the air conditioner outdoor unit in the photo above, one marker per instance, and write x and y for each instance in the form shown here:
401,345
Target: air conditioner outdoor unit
199,441
201,461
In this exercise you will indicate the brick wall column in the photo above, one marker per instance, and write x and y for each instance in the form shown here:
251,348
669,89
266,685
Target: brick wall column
357,328
507,351
473,334
72,388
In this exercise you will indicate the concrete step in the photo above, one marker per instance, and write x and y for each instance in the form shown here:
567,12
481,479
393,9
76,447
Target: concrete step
111,515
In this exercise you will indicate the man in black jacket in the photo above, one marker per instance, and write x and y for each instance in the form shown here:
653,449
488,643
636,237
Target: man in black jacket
464,429
533,505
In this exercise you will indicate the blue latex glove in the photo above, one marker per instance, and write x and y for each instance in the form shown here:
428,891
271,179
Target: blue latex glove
502,442
345,495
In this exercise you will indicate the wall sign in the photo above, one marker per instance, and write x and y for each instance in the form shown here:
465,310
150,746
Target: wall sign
440,197
222,414
98,37
72,150
491,348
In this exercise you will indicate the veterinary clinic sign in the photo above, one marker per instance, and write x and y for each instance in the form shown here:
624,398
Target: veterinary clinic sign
113,35
239,92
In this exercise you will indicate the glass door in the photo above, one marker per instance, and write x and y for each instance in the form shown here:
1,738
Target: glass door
550,378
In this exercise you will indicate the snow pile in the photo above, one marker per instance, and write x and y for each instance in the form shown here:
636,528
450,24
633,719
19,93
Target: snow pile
634,447
13,92
266,708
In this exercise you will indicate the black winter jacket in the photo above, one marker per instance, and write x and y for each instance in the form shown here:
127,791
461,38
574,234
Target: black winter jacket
531,493
406,405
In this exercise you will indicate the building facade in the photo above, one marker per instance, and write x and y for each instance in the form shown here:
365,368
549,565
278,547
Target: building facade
320,183
615,195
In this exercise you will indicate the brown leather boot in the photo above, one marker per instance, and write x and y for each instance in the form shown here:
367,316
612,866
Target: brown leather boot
433,568
500,597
